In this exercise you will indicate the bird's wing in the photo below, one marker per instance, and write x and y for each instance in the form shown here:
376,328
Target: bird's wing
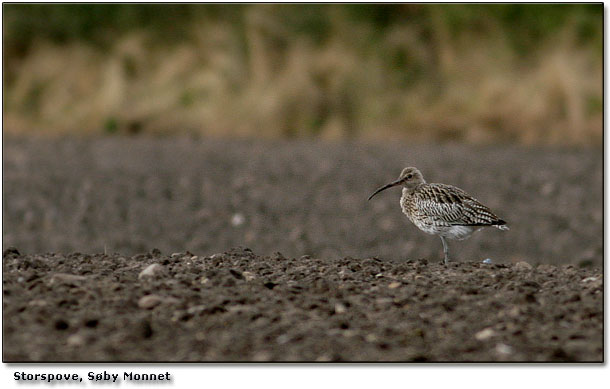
452,206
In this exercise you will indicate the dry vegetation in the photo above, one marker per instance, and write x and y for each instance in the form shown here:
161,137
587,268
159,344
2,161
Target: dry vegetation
416,76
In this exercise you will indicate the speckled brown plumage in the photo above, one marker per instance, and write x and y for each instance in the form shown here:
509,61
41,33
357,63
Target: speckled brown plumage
443,210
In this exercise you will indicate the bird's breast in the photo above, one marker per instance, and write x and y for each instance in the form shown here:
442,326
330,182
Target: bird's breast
408,204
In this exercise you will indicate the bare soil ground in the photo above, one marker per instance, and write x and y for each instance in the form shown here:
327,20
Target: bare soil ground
356,281
129,195
239,306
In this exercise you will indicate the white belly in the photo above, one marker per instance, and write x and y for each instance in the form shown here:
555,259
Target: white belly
458,232
430,226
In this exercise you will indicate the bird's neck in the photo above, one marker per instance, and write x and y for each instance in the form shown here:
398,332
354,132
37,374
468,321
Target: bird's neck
408,191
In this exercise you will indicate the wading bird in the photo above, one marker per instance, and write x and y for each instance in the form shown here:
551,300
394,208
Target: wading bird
440,209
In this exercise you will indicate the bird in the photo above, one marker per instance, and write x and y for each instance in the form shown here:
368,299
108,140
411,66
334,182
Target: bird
440,209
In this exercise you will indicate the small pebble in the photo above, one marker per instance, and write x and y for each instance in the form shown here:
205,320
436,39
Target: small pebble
485,334
65,278
75,340
238,219
151,271
546,268
589,279
340,308
150,301
283,339
523,266
514,312
503,349
394,285
196,309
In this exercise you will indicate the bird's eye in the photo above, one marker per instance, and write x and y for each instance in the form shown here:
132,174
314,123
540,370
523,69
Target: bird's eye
409,176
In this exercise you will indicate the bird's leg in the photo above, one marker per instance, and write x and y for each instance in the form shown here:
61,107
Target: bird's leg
445,250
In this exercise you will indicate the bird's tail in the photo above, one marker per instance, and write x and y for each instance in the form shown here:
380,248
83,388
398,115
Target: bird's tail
501,225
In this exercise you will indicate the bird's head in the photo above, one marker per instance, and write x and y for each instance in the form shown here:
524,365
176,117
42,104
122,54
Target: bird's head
410,177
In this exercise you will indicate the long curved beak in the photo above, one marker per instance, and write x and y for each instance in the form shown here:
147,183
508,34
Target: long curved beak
386,186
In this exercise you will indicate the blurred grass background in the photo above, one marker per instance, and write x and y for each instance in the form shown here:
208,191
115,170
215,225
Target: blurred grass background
529,74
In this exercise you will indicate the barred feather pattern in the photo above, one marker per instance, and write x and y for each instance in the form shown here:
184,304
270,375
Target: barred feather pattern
448,211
